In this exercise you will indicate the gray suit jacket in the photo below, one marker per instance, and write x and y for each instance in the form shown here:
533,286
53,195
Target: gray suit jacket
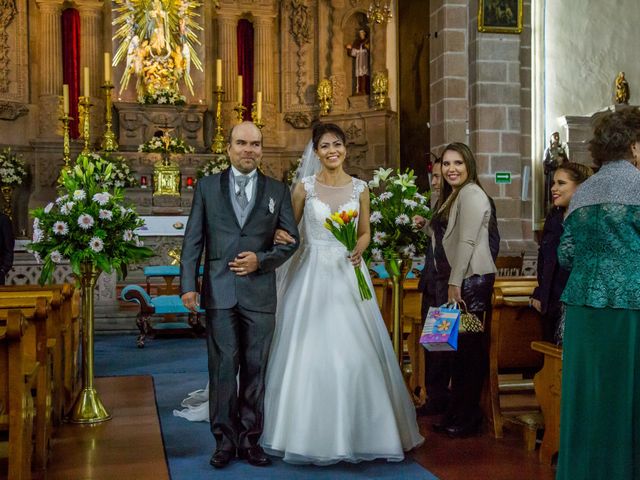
214,228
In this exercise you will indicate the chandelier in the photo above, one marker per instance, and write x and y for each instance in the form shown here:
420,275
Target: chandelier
379,13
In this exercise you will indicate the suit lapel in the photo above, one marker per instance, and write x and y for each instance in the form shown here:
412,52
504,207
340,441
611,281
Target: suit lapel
261,179
226,195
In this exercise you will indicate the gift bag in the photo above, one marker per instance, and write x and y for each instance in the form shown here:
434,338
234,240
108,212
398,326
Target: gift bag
440,331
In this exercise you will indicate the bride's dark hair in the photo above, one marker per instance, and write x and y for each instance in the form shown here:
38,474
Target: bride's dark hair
319,129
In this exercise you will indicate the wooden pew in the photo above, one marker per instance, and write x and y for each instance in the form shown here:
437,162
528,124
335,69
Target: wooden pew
65,301
39,350
18,376
513,326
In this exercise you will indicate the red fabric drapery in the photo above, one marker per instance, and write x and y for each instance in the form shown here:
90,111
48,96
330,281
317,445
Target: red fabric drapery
244,33
71,63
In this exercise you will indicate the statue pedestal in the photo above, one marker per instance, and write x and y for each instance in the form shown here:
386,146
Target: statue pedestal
137,123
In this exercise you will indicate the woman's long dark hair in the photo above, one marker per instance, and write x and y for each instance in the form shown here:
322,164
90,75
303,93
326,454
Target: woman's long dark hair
447,193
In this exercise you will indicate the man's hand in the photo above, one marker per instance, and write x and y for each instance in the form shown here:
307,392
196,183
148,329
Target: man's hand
536,304
282,237
244,264
419,221
454,294
191,302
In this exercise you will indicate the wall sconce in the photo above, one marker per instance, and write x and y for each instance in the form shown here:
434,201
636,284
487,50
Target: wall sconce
380,87
325,96
379,13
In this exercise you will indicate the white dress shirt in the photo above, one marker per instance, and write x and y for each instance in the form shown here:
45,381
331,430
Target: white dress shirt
249,187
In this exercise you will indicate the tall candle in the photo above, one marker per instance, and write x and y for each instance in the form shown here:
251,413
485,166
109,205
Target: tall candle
107,67
259,105
65,99
218,73
85,91
239,89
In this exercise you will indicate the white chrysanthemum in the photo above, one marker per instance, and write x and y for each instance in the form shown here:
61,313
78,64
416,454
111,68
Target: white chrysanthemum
85,221
376,254
79,195
420,198
409,251
127,236
375,217
62,199
66,208
410,203
118,183
38,235
60,228
102,198
386,196
379,238
36,223
105,214
123,211
96,244
48,208
402,219
56,257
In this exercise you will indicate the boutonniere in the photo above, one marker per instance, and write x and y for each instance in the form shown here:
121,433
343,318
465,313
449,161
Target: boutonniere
272,205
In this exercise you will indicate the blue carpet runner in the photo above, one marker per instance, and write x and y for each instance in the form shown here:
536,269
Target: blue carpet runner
179,366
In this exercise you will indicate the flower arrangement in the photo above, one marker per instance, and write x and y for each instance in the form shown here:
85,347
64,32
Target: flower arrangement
121,175
165,144
87,223
163,97
12,168
344,228
393,231
216,165
293,170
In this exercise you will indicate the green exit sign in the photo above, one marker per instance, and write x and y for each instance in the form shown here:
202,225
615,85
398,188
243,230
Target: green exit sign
503,177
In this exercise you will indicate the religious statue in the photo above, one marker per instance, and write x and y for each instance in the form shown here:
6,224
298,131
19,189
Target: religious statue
622,89
555,155
360,51
158,40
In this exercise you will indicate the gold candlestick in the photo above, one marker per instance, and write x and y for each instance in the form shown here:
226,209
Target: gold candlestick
254,116
85,107
109,143
218,139
239,109
66,144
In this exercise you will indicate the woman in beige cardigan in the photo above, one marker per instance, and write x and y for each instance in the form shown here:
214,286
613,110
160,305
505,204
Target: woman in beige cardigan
465,264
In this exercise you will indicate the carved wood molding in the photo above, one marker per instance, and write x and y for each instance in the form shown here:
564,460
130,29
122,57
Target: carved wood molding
299,120
300,30
8,12
12,110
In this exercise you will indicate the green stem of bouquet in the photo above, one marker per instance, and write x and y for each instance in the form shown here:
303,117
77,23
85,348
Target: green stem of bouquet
363,287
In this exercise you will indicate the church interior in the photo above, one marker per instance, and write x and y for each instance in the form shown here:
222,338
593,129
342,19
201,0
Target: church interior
155,87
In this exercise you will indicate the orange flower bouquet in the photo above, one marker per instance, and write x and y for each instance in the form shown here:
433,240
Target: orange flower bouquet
343,225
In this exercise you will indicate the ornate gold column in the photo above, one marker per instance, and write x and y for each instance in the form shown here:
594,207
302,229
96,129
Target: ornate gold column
50,59
228,52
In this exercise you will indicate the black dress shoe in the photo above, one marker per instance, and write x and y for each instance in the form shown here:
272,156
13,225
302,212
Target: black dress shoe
255,456
221,458
463,430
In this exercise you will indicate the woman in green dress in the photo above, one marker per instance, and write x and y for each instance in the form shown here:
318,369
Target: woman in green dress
600,406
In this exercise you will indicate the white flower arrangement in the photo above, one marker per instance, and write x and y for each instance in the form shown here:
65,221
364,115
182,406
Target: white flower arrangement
121,174
12,169
213,166
165,144
164,97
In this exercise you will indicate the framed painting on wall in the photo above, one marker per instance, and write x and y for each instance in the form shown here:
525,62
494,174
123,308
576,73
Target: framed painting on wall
500,16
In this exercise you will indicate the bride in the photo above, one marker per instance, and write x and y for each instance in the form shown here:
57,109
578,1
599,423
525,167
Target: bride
334,390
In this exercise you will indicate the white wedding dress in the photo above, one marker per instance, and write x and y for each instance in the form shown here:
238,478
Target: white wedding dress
334,390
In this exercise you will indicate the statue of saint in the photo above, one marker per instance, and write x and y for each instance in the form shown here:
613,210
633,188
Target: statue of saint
360,51
555,155
622,89
159,34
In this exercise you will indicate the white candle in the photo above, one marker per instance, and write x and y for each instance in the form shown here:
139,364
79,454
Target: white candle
259,106
218,73
65,99
107,67
239,89
85,91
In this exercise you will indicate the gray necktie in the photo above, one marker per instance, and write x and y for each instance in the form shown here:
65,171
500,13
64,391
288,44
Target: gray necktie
241,182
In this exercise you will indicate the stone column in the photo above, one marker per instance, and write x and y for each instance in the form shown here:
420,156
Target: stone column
263,60
91,50
228,52
50,80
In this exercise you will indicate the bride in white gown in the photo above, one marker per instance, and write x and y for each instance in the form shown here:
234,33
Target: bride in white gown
334,390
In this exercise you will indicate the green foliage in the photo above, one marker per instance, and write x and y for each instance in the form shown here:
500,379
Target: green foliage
87,223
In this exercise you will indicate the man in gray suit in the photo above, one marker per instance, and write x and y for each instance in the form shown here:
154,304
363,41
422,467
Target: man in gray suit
233,218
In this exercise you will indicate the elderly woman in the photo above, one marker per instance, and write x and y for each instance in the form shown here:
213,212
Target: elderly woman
600,410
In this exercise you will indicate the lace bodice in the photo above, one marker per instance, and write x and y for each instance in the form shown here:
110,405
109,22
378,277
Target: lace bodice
321,201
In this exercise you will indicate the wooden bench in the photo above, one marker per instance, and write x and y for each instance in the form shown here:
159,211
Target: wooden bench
159,305
40,346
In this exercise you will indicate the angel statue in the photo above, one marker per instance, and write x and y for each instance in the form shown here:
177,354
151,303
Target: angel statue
158,41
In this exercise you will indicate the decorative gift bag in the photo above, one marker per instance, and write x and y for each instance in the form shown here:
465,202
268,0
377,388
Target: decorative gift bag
440,331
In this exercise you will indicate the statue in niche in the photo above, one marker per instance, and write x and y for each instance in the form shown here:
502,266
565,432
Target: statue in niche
158,34
622,90
359,50
555,155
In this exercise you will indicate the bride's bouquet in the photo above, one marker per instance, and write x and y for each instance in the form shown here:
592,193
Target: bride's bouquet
344,228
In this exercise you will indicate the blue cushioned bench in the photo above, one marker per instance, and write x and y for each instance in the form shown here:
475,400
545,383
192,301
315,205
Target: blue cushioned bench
159,305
